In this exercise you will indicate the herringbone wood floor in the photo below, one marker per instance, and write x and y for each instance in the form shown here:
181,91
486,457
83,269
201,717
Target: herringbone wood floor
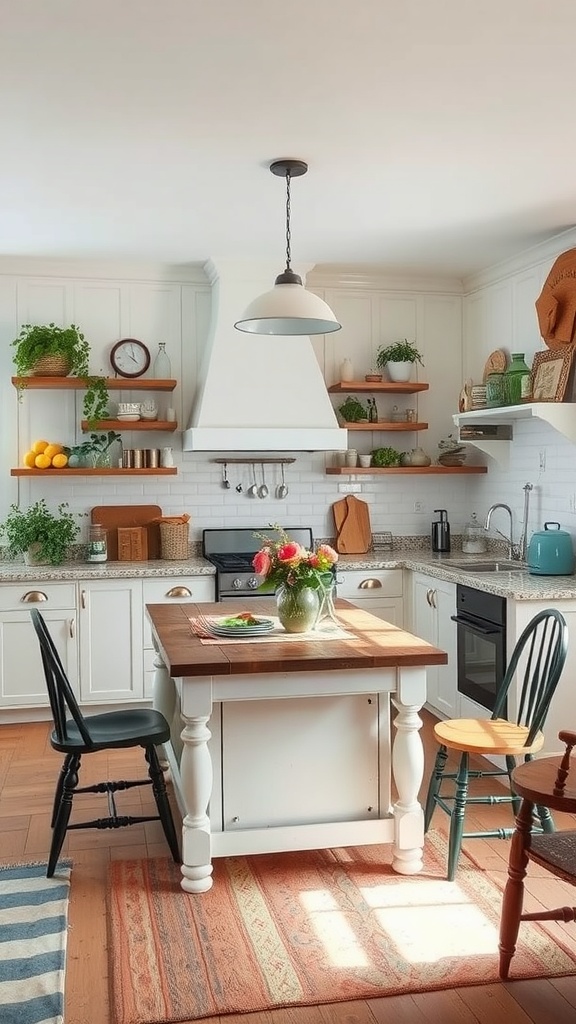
28,770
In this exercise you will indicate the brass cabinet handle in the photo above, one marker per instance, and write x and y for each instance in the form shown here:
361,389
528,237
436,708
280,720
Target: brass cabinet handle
34,596
370,584
179,592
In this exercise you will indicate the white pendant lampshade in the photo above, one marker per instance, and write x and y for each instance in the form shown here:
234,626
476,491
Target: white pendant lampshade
288,308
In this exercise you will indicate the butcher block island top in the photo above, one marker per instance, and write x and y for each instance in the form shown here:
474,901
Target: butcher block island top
374,644
289,744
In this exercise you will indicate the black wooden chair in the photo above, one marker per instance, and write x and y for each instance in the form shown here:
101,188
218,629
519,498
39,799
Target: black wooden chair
539,654
548,782
75,736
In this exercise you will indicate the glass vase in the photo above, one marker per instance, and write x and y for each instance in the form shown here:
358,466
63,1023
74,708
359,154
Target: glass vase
161,368
326,610
298,608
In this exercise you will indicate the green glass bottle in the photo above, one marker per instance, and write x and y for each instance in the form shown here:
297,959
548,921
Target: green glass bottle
517,380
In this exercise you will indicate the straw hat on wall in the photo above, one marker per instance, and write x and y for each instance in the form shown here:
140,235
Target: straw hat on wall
556,305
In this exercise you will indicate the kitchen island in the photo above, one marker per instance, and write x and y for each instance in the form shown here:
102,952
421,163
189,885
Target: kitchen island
285,743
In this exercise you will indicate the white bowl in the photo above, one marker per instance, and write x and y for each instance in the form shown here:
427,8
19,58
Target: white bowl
125,416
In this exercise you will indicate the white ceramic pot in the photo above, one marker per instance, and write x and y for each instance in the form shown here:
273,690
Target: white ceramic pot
399,372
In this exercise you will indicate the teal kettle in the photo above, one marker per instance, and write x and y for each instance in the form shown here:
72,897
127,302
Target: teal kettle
550,552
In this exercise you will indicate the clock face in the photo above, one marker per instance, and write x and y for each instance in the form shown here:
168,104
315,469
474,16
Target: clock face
130,358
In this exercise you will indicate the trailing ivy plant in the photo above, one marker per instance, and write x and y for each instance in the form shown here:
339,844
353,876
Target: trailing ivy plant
52,532
35,341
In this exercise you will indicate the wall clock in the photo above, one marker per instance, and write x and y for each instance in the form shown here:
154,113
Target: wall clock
129,358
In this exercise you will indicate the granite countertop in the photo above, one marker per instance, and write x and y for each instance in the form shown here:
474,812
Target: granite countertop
518,584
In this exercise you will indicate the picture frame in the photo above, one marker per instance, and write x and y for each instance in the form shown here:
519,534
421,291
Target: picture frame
549,375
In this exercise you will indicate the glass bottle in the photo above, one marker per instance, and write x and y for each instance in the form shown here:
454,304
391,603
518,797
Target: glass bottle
495,390
97,544
161,369
517,380
346,370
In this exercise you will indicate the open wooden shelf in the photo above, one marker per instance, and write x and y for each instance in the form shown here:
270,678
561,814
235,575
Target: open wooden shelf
111,471
377,470
385,425
169,425
343,387
78,384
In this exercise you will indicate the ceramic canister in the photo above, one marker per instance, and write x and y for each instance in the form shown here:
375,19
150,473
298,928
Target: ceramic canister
550,552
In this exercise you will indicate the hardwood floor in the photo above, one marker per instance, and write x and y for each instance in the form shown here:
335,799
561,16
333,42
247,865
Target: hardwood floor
28,770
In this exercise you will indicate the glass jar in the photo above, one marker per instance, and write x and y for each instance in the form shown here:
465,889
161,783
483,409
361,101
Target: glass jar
495,390
517,380
474,541
161,368
97,544
298,608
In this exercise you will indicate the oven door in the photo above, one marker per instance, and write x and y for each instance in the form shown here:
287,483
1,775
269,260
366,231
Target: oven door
481,659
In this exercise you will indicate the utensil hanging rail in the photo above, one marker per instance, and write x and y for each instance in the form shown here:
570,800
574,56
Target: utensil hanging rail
252,462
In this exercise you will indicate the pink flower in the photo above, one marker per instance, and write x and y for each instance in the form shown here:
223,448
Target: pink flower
262,562
324,558
291,553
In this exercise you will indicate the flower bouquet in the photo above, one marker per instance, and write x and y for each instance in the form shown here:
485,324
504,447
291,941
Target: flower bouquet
303,579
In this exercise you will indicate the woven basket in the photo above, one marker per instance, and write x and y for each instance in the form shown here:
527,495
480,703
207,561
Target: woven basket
51,366
174,540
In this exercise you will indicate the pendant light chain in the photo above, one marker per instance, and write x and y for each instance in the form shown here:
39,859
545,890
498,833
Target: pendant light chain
288,236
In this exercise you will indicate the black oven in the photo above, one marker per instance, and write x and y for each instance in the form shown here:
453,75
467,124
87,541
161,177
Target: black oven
481,644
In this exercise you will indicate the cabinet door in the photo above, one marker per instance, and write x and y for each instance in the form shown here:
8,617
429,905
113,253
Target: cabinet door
179,590
22,680
110,634
434,603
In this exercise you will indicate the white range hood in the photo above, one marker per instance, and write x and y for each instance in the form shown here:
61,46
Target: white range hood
257,392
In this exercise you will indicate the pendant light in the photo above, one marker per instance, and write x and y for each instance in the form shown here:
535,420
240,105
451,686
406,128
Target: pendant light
288,308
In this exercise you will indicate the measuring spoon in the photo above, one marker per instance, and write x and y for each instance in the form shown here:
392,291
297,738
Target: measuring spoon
263,490
282,490
252,491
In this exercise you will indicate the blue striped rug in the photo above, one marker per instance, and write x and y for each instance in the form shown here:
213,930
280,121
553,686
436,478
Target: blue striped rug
33,928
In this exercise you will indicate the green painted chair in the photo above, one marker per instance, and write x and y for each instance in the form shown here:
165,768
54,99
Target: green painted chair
538,660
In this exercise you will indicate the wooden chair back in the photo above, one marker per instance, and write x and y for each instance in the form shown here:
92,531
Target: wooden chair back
62,700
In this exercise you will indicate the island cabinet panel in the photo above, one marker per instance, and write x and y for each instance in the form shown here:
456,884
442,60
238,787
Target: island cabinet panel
317,755
111,652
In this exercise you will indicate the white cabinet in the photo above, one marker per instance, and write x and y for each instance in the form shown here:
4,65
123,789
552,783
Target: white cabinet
111,640
434,603
378,591
22,680
182,590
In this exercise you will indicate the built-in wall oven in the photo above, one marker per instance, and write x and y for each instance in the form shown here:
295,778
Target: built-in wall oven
481,644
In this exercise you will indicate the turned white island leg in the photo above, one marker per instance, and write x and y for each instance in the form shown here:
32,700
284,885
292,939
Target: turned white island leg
196,782
408,770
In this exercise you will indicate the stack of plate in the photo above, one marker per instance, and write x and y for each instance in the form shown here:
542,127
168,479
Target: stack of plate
226,627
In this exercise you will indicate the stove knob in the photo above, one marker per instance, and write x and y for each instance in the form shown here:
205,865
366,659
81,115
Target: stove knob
236,584
253,582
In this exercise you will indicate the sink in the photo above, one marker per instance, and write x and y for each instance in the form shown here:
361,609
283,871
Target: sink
498,565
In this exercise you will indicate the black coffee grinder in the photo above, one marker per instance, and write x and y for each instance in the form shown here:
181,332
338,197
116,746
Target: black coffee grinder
441,532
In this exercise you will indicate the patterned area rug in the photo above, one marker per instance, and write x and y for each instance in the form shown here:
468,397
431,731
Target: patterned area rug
297,929
33,929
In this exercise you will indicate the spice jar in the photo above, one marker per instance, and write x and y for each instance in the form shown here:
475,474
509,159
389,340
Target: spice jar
97,544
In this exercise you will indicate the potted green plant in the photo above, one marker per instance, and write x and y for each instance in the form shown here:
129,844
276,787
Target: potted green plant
352,410
398,359
51,351
42,536
92,453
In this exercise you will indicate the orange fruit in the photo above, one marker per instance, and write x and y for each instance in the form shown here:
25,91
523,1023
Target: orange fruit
39,446
59,460
42,461
29,459
52,449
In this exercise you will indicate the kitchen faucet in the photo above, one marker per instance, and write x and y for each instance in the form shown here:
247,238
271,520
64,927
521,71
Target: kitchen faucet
515,553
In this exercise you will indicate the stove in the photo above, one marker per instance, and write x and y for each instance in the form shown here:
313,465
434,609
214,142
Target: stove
232,551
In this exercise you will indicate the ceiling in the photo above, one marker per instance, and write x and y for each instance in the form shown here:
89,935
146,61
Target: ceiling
439,136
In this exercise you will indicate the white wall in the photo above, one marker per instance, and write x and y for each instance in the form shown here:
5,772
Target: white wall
499,312
172,304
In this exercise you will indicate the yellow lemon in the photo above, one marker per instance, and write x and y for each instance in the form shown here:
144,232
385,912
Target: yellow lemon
59,460
29,460
39,446
42,461
52,449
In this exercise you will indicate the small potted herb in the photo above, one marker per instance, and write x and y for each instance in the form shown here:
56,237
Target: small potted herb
352,410
92,453
42,536
398,359
51,351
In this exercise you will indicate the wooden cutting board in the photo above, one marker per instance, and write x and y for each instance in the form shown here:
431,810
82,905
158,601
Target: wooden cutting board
113,516
352,522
